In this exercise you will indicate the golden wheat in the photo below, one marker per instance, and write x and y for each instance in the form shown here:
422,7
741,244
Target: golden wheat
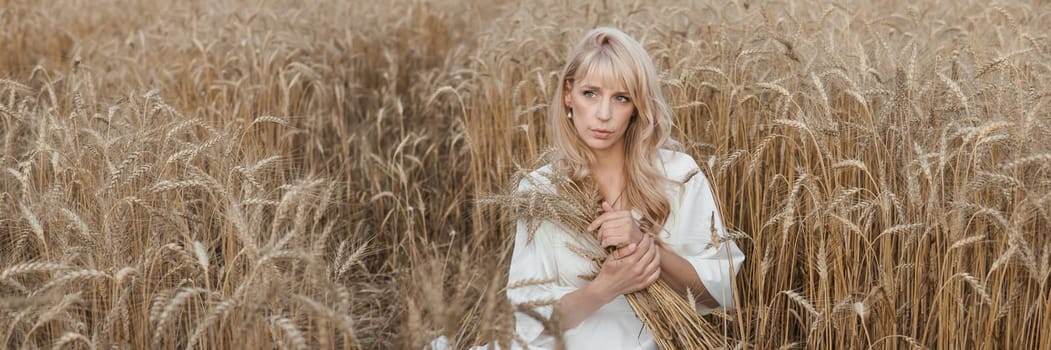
219,175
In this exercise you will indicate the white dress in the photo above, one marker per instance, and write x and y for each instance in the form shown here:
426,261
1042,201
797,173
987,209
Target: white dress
614,326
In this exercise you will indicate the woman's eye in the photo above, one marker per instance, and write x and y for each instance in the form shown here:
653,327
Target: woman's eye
589,94
623,99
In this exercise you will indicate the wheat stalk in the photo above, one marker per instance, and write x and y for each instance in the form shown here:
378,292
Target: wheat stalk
295,336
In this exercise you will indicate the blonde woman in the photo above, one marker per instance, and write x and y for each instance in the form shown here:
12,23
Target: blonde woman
611,126
612,130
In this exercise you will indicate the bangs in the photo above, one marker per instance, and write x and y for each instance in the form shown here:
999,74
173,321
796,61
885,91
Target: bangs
604,68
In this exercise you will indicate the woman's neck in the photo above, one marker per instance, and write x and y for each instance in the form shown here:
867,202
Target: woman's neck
608,172
610,161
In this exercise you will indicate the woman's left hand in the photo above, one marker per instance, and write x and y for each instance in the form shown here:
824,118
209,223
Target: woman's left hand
616,228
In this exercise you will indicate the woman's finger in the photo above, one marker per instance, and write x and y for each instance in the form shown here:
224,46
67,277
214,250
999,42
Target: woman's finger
645,247
606,240
656,263
654,277
649,244
610,237
626,251
601,219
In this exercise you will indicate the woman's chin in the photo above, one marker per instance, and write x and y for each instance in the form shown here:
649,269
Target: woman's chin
600,146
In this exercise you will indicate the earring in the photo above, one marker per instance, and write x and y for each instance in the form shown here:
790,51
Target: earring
569,114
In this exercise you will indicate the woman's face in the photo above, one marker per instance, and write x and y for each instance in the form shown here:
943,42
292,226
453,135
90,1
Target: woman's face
601,110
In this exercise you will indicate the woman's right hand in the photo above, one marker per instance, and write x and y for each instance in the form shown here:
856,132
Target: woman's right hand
636,270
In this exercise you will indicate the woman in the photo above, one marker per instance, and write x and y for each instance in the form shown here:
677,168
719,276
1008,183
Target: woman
612,128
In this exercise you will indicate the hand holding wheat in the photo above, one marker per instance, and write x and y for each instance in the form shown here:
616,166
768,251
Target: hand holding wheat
616,229
633,272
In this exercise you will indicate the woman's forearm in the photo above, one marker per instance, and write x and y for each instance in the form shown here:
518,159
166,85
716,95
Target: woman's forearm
680,275
578,305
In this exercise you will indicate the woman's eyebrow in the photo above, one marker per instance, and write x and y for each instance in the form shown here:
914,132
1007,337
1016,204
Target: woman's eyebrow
596,88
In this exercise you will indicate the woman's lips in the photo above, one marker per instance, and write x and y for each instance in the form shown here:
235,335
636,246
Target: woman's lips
601,134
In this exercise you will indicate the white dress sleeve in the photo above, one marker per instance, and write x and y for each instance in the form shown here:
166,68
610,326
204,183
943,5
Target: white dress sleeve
534,276
715,259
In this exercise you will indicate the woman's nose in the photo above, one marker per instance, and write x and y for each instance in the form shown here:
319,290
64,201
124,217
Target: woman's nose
605,111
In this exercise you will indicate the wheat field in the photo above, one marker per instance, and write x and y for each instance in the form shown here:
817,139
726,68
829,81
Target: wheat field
235,174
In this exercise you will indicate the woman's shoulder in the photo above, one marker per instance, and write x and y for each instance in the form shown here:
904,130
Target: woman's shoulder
678,166
539,179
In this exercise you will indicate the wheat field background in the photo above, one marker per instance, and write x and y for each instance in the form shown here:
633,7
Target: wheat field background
274,174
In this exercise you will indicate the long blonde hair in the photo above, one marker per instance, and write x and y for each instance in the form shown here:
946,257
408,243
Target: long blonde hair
609,51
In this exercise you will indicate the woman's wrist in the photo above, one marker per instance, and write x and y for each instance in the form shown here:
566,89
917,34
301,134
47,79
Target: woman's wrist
597,290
